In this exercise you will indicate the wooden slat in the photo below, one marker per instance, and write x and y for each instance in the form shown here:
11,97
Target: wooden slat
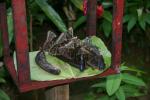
21,40
58,93
117,32
5,40
91,17
39,84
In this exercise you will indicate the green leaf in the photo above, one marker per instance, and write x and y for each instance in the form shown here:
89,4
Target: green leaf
107,4
130,79
130,88
106,97
103,49
120,94
10,24
40,18
80,21
107,27
147,18
3,95
139,12
113,83
78,4
89,96
2,80
52,15
3,72
129,68
142,22
99,85
108,16
126,18
132,91
131,23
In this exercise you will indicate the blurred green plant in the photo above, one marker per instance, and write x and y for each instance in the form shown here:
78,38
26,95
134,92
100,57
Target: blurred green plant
10,29
119,86
3,73
3,95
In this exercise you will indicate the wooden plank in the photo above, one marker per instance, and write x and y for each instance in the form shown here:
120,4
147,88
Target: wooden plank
38,84
117,33
5,40
58,93
21,41
91,17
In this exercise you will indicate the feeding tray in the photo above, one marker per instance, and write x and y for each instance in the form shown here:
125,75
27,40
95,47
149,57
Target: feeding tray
21,67
67,71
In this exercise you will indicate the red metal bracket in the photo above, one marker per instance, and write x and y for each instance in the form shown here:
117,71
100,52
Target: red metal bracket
6,50
21,41
117,33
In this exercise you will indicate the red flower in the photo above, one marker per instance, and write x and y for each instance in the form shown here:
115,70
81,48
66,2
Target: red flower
99,11
85,7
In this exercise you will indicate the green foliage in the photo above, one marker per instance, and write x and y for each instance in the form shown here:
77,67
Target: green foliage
120,86
78,4
3,95
120,94
52,15
113,83
3,74
79,21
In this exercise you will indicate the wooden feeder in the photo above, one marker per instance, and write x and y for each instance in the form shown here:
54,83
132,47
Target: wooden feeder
21,77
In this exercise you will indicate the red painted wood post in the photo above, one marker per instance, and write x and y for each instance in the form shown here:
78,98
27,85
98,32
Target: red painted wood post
117,32
21,40
5,40
91,17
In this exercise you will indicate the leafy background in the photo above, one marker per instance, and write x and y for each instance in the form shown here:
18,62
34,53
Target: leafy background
50,15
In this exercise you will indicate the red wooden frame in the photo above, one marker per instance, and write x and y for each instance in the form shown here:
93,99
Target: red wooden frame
22,76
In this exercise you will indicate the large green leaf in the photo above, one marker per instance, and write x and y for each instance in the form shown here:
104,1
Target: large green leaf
129,68
107,28
78,3
113,83
107,4
126,18
142,22
108,16
132,91
99,85
3,95
130,79
147,18
80,21
120,94
52,15
103,49
67,71
10,24
131,23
